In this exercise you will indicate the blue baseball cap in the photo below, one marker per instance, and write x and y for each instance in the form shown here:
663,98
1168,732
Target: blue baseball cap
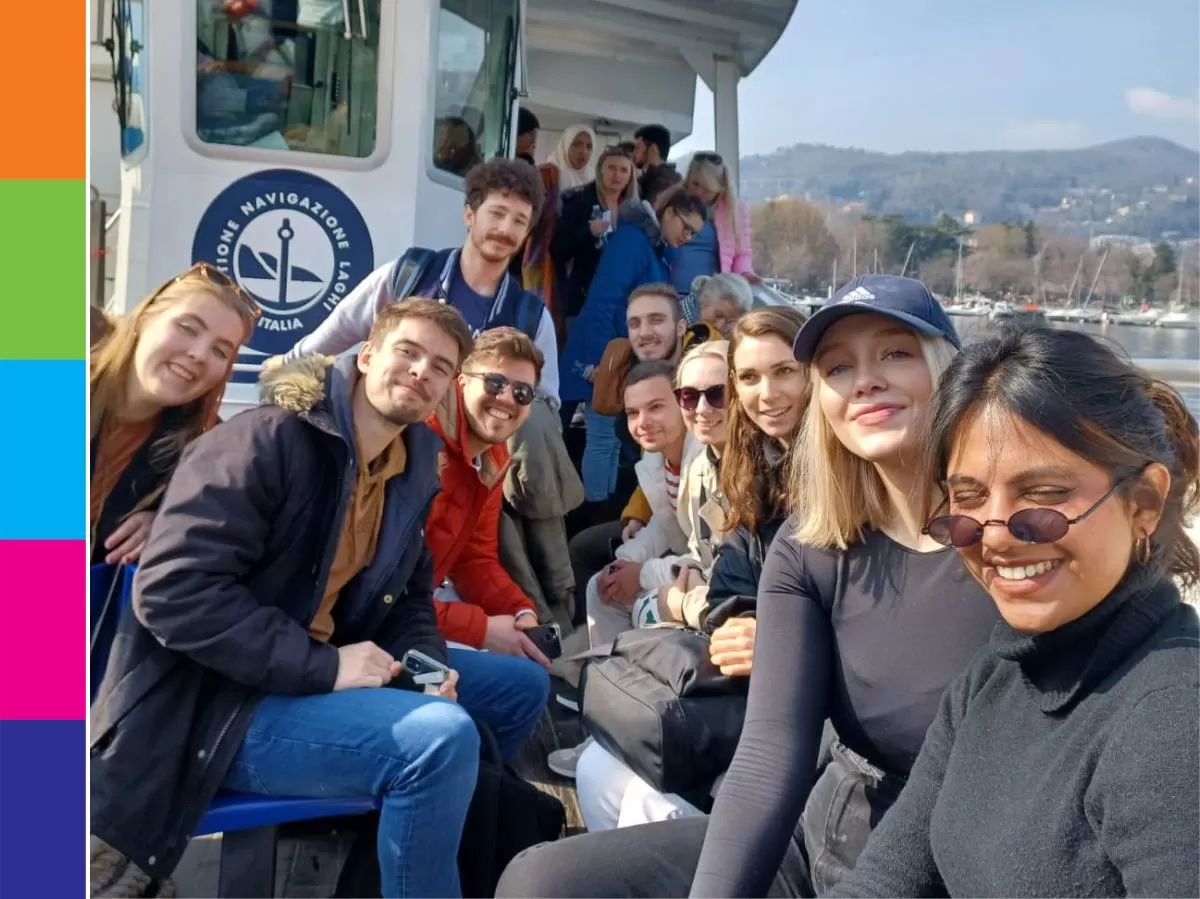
905,300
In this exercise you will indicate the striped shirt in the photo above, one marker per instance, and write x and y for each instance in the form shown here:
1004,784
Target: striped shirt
672,476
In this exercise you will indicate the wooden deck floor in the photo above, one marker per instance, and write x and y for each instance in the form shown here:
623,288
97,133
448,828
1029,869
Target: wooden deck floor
307,866
560,728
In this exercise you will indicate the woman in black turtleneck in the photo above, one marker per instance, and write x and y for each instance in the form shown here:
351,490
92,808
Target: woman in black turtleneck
1064,761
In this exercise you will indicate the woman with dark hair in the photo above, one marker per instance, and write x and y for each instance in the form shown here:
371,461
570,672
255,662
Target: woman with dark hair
763,380
1064,761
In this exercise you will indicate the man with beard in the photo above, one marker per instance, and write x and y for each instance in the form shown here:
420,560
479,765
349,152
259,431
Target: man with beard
477,603
657,331
503,199
285,578
655,322
651,146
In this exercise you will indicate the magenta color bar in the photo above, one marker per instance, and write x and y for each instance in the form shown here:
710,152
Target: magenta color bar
43,643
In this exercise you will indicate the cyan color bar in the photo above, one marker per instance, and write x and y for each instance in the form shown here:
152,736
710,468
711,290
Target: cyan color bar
43,450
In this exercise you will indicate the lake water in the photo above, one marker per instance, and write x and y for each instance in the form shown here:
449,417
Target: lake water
1180,346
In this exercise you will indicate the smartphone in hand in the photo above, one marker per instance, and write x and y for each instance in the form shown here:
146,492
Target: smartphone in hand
547,638
424,671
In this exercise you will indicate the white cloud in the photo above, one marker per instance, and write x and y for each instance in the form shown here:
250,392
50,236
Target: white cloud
1159,105
1044,134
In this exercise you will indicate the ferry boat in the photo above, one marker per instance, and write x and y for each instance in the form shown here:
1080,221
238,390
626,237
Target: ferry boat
299,155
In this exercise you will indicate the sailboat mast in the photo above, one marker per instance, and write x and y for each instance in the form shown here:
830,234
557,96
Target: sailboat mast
1095,279
958,273
1078,271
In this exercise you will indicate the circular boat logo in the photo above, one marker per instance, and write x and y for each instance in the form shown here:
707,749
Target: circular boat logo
292,241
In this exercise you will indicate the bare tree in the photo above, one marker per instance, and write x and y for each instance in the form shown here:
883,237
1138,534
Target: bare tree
792,240
940,274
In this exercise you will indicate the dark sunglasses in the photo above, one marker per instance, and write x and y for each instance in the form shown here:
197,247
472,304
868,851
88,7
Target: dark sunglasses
709,156
1028,525
689,397
217,278
495,384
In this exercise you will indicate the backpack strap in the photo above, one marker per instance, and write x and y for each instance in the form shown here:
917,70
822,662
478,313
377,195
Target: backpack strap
529,314
409,270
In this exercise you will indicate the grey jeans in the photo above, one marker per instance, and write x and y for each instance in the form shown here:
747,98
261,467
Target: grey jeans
660,859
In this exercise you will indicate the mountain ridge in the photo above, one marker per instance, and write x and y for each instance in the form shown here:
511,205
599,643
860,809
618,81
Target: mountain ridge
1135,186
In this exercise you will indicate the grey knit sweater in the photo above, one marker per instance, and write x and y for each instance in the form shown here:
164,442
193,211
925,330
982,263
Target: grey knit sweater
1065,764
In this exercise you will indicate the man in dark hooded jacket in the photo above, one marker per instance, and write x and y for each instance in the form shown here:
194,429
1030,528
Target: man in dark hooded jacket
634,256
285,577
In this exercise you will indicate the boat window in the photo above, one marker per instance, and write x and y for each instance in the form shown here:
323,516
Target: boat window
475,64
288,74
127,50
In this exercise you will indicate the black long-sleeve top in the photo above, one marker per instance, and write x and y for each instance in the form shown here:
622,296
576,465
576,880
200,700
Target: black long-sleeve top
868,638
575,248
1063,764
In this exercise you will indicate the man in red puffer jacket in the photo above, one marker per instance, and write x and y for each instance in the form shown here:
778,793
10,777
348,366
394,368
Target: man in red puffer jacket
477,603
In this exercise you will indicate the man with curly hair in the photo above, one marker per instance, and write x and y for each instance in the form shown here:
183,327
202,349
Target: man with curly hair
504,198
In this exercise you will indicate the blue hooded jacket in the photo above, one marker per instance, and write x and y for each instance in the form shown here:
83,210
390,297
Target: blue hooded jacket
634,256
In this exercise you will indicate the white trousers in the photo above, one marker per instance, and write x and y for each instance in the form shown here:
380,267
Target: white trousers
611,795
605,621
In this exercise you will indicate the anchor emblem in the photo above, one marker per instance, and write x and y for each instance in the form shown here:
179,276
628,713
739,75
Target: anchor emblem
285,235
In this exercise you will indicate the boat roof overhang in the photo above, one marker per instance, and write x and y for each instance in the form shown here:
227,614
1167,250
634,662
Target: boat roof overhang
621,64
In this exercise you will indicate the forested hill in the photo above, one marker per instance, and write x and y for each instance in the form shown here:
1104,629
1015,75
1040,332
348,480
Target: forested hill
1138,186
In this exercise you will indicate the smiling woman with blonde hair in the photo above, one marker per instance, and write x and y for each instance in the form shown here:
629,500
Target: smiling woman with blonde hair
861,621
156,383
722,246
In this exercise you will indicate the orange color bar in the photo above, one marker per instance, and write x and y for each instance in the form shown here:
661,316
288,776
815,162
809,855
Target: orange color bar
46,102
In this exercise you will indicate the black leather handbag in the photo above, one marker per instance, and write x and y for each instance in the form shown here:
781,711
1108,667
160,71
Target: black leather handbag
656,701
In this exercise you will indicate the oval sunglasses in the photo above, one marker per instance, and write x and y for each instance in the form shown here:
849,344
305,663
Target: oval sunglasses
1028,525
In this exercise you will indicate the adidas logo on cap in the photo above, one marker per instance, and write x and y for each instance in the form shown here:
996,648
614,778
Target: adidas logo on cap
857,295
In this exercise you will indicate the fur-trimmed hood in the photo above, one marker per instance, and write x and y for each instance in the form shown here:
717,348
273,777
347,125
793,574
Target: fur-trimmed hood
296,386
642,214
320,390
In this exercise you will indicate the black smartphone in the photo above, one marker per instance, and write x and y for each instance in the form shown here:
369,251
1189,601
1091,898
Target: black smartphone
547,638
424,671
613,545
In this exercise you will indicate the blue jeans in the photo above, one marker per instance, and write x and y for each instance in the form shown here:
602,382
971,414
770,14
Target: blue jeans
418,754
601,455
507,694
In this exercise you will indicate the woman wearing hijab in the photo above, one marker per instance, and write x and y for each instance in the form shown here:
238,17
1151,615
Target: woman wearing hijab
569,167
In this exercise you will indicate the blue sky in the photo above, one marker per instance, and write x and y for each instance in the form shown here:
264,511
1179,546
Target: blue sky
972,75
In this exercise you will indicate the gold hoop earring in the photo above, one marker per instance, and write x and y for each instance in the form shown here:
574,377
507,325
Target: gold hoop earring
1142,549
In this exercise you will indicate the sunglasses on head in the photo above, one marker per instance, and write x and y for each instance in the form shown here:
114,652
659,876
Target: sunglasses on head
689,397
217,278
1028,525
495,384
709,156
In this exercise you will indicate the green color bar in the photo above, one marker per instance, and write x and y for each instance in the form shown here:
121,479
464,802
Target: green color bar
44,301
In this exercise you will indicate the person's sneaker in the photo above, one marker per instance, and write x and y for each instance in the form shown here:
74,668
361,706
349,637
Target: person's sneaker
568,699
563,761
